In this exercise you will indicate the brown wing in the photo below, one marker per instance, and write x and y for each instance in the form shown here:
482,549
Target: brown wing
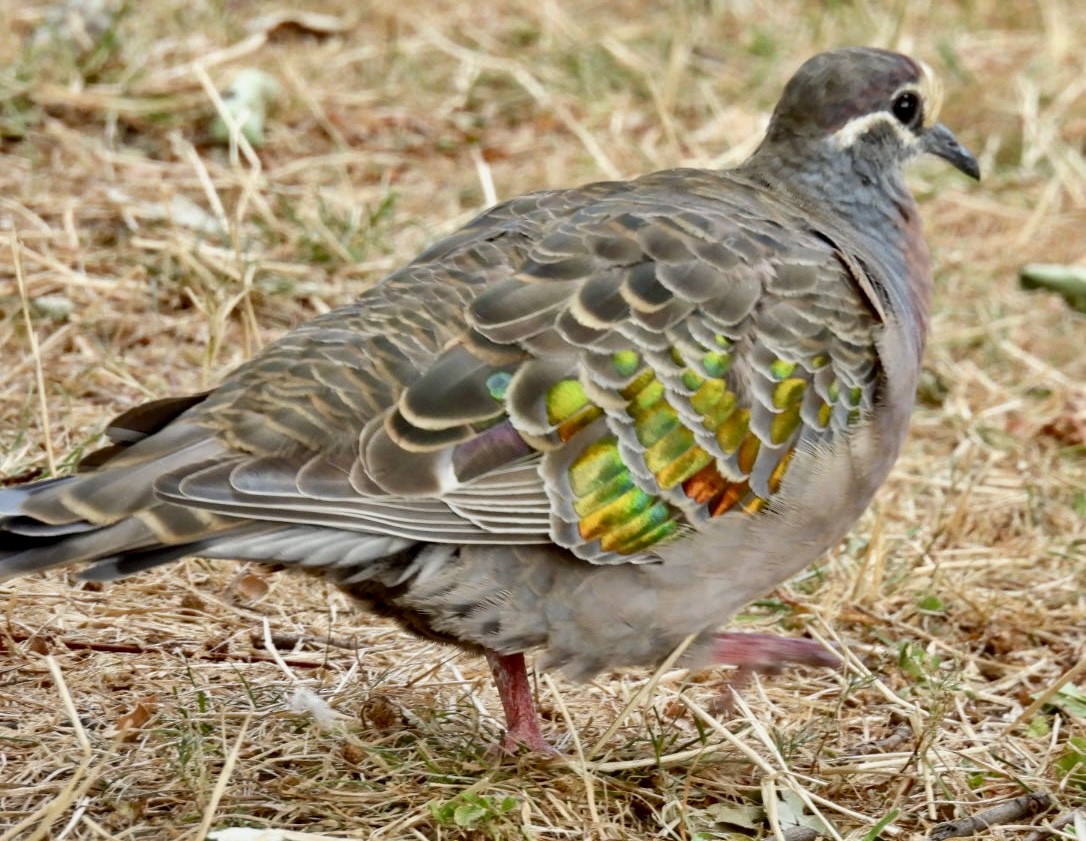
650,362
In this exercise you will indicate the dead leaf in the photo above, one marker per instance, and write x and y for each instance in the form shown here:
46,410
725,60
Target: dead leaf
792,811
250,586
1067,428
746,817
136,718
287,22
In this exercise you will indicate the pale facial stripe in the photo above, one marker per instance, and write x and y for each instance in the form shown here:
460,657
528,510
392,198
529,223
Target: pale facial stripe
857,127
930,93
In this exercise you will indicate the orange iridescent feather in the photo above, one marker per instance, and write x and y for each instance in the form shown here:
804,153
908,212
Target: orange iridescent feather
625,518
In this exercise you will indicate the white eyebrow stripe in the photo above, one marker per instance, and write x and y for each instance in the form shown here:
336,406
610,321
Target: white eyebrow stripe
931,94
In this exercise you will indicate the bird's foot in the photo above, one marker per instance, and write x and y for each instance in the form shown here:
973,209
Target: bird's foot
521,718
765,653
527,739
769,653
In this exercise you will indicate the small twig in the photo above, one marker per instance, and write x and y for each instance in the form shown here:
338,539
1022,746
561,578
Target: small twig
473,697
486,177
50,811
1049,693
809,798
35,352
187,653
1037,365
1004,813
640,696
96,827
666,760
790,778
287,642
69,708
535,89
1055,826
75,819
220,783
900,736
276,657
165,80
581,767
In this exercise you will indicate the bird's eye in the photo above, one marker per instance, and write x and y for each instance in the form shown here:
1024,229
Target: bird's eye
906,108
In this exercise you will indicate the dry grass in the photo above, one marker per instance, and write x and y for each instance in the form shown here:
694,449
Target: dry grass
155,260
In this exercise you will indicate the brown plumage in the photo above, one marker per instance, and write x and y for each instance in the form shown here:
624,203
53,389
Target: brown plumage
592,421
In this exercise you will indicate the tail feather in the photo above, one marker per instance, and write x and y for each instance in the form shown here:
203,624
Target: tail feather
114,519
13,498
112,510
136,424
110,494
29,527
24,554
130,563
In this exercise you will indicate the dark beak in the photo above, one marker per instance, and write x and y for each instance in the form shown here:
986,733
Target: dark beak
940,141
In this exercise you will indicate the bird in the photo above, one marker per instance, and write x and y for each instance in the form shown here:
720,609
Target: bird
592,423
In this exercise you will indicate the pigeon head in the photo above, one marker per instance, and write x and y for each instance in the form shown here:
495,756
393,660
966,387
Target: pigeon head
865,110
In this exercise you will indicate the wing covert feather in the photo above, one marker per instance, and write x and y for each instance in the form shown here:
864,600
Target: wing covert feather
641,364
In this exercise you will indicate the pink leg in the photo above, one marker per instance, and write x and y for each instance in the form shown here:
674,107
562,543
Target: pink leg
769,653
521,718
763,653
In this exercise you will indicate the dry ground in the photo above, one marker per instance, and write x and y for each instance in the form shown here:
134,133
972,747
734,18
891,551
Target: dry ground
155,260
